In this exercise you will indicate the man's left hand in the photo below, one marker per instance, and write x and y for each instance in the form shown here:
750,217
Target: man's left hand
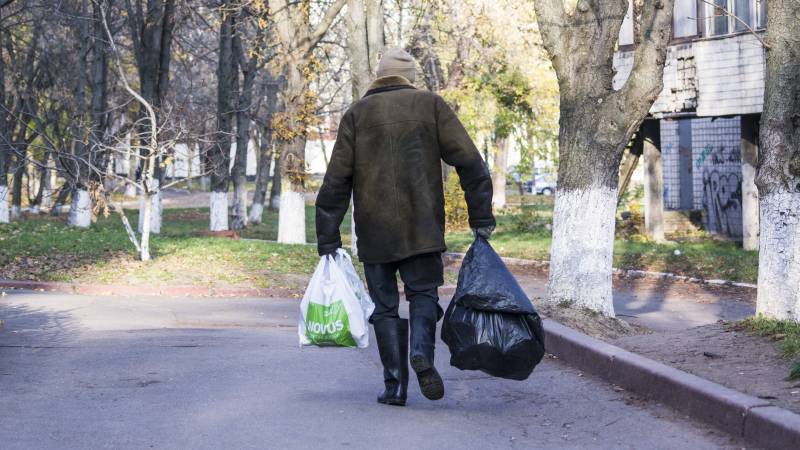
484,232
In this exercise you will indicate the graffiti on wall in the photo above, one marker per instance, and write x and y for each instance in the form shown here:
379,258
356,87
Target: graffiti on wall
722,190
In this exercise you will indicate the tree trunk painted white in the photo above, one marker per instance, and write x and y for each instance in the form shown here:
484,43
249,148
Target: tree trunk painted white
34,210
499,174
239,209
275,202
779,261
130,190
16,212
218,211
80,212
583,246
778,173
255,214
155,211
292,217
4,212
749,155
146,214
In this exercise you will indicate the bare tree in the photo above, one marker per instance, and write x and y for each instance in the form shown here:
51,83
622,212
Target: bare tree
596,124
227,87
250,60
5,147
778,175
298,38
266,152
151,24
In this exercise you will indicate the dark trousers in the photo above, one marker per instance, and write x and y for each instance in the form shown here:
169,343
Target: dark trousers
421,274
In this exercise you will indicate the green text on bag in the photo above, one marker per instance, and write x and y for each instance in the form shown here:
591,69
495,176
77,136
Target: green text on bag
328,325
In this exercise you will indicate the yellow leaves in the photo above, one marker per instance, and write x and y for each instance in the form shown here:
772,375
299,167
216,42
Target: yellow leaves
301,112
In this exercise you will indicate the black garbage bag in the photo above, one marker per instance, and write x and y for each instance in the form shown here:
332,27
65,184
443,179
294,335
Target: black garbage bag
490,324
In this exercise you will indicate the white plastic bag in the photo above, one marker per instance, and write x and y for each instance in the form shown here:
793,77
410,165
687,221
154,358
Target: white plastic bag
346,264
335,307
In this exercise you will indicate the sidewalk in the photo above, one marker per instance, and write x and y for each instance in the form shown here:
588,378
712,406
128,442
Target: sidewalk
663,304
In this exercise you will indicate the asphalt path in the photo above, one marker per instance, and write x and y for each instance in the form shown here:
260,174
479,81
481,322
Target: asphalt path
79,372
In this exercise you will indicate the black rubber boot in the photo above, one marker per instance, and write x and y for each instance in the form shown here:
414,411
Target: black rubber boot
392,337
424,315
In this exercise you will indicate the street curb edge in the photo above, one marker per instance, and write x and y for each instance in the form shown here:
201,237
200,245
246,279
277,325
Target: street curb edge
756,420
626,273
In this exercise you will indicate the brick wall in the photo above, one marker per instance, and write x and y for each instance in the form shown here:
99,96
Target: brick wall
714,77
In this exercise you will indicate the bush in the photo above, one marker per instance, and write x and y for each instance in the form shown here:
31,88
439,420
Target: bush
528,219
455,207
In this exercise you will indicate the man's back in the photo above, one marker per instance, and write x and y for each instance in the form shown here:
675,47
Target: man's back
388,152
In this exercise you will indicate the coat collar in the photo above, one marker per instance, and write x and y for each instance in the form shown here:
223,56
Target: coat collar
389,83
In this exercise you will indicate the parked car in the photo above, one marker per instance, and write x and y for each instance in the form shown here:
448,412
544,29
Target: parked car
544,184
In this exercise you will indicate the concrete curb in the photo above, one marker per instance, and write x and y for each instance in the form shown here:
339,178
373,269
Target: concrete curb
625,273
756,420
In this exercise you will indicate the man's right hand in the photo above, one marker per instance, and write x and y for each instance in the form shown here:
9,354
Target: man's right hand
332,254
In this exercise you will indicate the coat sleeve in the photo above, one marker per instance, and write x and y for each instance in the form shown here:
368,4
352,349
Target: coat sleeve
333,199
458,150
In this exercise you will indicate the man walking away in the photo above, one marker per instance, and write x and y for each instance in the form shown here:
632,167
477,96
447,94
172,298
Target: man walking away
388,155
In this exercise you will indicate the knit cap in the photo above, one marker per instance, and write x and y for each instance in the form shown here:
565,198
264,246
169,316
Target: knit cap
396,61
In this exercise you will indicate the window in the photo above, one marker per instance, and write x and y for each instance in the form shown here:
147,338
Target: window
719,23
762,13
742,10
684,20
730,16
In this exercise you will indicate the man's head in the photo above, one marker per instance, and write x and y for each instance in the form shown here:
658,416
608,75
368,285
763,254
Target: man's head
396,61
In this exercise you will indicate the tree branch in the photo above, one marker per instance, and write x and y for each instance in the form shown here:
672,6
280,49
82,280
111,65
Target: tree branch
646,80
323,26
551,17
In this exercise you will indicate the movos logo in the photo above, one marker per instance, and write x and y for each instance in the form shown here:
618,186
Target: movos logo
325,328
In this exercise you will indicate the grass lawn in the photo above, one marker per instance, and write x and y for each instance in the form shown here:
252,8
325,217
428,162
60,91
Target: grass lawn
524,233
43,248
785,333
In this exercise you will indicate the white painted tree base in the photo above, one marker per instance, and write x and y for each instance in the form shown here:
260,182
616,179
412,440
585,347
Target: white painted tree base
239,209
80,212
292,216
35,210
218,211
5,215
130,190
275,202
256,212
16,212
155,212
779,257
582,249
47,198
